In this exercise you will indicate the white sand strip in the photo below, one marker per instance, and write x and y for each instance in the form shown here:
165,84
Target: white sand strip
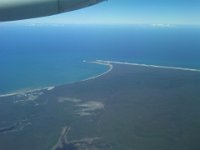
145,65
23,92
100,63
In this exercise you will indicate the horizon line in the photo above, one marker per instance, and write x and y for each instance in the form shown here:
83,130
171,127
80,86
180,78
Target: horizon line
44,23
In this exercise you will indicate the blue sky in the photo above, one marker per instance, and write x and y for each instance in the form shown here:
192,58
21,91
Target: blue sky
132,12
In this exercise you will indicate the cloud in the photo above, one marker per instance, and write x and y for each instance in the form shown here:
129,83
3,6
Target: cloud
161,25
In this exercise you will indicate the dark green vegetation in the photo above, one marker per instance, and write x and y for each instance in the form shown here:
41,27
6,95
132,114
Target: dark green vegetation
130,108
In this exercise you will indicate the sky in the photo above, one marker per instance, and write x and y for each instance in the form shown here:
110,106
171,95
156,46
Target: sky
131,12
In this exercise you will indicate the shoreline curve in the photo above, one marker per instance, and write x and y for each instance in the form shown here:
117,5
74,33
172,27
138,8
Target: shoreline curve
22,92
110,65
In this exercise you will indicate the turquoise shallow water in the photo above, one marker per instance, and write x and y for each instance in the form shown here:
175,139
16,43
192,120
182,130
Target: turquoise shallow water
34,57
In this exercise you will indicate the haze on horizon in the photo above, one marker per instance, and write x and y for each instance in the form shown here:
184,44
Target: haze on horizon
130,12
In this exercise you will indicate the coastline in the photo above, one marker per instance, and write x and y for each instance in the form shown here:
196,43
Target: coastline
22,92
104,73
106,63
150,66
27,91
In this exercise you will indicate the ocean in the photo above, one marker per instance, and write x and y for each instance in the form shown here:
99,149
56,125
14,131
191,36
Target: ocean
37,56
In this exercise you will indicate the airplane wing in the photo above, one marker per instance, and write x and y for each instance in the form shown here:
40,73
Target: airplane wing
25,9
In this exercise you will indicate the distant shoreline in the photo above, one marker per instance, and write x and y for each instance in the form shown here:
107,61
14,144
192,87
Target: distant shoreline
150,66
99,63
110,65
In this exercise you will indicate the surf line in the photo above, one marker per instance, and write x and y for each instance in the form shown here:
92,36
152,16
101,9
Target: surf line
145,65
99,63
24,92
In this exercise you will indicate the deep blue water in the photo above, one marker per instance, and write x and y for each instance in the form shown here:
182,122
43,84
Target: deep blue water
33,57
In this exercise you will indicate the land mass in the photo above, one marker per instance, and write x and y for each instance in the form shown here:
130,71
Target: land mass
129,107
